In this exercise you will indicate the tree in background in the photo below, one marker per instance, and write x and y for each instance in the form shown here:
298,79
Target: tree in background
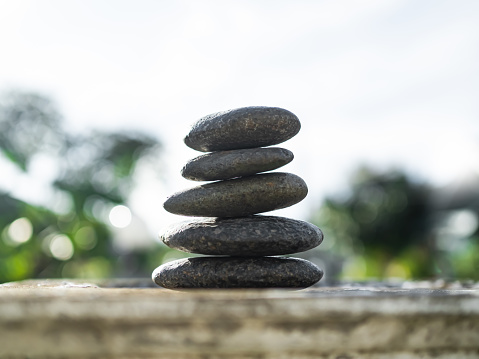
390,226
93,173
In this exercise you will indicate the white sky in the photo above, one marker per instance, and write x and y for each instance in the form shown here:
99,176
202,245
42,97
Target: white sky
387,83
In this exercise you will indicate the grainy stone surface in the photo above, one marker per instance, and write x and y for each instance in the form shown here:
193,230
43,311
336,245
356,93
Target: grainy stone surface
237,272
239,197
223,165
58,319
244,236
245,127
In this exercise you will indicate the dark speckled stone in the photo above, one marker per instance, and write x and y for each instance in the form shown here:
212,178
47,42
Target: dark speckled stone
244,236
237,272
245,127
235,163
239,197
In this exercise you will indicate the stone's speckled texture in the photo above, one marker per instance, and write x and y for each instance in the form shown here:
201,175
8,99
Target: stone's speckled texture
245,236
245,127
236,138
239,197
235,163
237,272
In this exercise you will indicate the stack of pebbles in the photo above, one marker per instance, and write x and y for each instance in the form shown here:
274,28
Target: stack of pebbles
242,247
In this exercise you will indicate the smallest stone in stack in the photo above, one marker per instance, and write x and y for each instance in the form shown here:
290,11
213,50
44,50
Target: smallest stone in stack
240,243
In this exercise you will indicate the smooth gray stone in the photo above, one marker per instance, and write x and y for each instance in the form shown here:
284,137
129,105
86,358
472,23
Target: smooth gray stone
239,197
245,127
244,236
235,163
237,272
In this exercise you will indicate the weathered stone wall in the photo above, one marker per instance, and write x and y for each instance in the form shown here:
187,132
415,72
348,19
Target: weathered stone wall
55,319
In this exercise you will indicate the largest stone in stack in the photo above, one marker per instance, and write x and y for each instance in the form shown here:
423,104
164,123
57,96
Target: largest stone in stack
242,247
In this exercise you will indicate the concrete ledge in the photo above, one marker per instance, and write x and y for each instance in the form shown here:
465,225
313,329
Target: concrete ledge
58,319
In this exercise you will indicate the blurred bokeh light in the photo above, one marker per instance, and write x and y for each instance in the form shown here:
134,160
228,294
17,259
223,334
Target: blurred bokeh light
97,97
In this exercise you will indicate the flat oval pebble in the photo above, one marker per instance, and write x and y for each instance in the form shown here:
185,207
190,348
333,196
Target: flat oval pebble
239,197
235,163
237,272
245,127
244,236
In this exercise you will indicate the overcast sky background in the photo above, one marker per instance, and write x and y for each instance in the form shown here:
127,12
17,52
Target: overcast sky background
387,83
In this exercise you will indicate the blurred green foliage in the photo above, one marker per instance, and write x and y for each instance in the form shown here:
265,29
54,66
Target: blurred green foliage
388,225
94,172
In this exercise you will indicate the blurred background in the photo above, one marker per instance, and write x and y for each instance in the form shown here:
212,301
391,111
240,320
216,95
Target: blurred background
96,97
